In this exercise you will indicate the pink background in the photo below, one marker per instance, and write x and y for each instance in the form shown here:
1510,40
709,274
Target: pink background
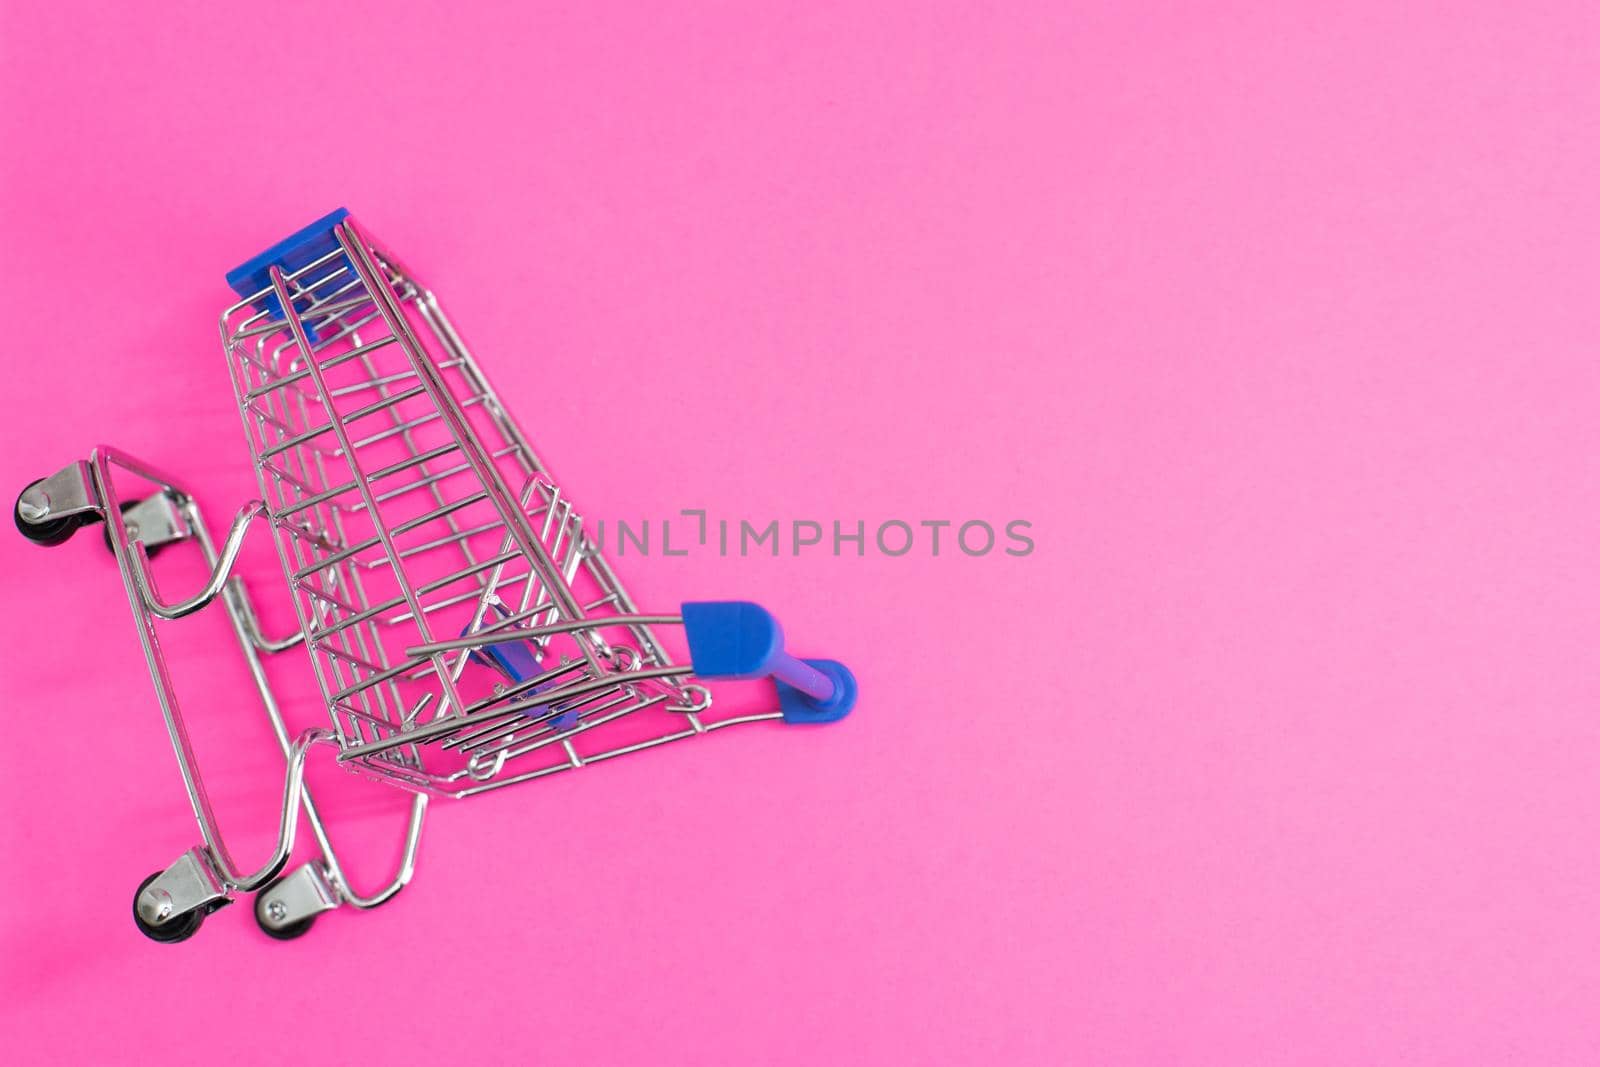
1278,324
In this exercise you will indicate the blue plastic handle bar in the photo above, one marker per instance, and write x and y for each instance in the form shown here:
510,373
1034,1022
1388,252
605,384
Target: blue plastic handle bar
738,639
297,251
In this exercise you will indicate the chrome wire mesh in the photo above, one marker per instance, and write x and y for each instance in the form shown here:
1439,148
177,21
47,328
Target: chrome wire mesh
409,511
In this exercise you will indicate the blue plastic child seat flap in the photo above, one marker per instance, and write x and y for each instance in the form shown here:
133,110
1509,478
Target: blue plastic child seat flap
516,661
295,252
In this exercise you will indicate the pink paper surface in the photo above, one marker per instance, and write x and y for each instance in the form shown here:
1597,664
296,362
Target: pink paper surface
1276,321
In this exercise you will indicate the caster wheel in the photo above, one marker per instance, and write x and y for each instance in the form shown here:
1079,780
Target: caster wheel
105,534
51,532
167,933
281,933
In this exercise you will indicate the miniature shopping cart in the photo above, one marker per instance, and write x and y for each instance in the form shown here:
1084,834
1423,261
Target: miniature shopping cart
464,631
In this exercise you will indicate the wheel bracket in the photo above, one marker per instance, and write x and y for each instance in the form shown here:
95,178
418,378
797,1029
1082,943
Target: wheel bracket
66,492
155,521
188,885
302,894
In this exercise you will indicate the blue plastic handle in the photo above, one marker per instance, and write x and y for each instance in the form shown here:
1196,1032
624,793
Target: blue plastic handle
738,639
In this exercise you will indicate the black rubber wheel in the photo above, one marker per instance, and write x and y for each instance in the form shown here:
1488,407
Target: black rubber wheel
167,933
127,506
48,533
281,933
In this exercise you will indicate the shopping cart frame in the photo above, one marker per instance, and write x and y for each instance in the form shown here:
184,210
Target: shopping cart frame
320,288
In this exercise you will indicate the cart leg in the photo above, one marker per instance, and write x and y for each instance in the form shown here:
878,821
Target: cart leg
170,905
286,907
